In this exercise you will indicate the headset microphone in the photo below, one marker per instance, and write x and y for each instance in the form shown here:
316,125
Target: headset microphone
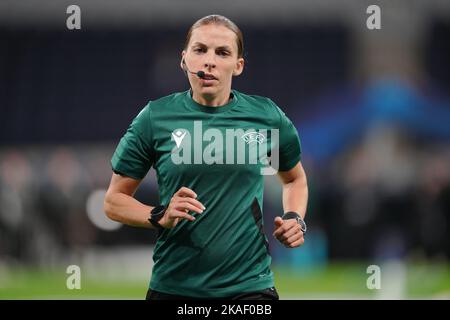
199,74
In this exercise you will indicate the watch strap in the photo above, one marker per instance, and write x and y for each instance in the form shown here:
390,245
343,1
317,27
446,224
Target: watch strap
297,217
156,214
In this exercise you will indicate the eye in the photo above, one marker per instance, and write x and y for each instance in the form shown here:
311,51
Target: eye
223,53
199,50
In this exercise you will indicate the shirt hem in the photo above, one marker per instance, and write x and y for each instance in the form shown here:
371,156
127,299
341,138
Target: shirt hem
260,284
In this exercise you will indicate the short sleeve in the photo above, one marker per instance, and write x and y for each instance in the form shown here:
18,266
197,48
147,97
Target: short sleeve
290,146
134,154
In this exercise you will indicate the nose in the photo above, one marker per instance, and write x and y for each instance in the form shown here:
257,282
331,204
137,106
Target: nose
210,61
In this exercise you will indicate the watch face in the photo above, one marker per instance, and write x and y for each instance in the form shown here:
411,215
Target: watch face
296,216
302,224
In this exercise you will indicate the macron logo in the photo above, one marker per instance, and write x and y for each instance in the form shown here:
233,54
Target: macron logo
178,136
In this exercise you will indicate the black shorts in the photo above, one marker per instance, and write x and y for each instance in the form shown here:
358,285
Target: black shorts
266,294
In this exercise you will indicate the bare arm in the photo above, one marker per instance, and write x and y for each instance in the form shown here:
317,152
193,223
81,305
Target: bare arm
121,206
295,190
295,198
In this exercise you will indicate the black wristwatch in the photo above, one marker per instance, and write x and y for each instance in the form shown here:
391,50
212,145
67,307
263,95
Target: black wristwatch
156,214
296,216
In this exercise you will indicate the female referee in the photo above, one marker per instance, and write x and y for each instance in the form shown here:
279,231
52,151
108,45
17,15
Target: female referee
202,144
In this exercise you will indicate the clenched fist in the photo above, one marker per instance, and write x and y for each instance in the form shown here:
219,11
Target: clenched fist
288,232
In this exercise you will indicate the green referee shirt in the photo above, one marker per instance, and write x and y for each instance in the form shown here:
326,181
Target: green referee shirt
220,153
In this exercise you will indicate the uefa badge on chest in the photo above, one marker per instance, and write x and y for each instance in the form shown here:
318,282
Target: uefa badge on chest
253,136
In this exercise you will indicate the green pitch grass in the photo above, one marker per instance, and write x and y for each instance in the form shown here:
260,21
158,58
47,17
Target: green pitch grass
336,281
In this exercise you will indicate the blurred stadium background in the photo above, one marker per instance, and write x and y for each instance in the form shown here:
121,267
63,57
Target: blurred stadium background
372,108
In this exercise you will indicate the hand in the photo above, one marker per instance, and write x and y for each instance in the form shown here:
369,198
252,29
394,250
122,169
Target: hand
288,232
183,201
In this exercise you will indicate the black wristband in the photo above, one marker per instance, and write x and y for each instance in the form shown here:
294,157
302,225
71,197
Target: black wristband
156,214
156,224
290,215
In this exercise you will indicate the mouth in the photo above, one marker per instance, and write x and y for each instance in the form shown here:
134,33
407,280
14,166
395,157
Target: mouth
209,76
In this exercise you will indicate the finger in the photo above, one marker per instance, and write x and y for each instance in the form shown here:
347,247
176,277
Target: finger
278,221
180,214
292,239
278,232
292,231
287,225
194,202
186,192
297,243
189,207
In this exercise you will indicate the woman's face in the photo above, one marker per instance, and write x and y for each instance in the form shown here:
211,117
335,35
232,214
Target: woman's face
213,50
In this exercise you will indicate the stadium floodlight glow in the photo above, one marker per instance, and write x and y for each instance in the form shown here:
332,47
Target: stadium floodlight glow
94,209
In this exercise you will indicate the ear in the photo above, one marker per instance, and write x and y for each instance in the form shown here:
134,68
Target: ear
182,63
239,67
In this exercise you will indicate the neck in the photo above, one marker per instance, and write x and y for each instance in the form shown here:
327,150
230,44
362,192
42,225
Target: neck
212,100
